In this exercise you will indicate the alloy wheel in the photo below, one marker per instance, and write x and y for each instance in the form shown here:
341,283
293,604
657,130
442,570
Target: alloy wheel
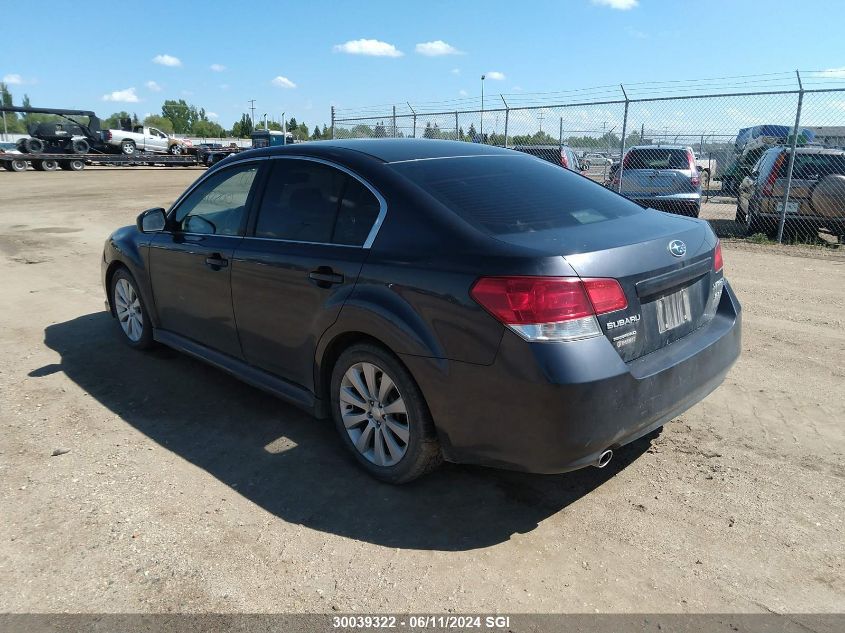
127,306
374,414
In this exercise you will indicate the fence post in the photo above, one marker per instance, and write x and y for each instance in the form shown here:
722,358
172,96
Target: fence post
624,131
414,112
792,145
560,135
394,121
457,127
507,117
332,122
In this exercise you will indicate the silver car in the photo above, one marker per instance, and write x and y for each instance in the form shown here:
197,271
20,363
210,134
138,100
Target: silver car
661,177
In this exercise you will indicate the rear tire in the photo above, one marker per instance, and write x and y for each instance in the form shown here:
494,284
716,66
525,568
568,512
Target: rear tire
15,165
33,145
72,165
127,147
381,415
80,146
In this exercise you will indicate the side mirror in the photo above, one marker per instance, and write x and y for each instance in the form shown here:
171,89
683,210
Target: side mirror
151,220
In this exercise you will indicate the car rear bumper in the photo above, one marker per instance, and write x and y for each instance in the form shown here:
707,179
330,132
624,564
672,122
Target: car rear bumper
554,407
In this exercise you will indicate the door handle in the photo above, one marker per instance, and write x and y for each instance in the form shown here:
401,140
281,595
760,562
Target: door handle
325,277
216,261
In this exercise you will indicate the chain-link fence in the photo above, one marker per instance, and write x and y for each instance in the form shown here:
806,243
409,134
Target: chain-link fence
756,156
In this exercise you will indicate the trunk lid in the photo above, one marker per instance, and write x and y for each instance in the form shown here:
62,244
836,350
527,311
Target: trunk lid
668,295
650,275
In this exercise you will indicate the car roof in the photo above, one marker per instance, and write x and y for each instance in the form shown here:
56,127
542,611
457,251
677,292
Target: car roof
388,150
808,150
661,146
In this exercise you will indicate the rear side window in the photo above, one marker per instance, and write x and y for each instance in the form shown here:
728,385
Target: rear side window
514,194
358,211
307,201
300,201
814,166
657,158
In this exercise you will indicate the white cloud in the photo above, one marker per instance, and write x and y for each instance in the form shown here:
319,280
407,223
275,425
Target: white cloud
455,71
375,48
212,115
495,75
283,82
838,73
167,60
463,93
153,86
621,5
123,96
13,79
218,68
436,48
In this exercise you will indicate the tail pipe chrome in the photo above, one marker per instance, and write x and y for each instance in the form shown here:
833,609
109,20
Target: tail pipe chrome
603,459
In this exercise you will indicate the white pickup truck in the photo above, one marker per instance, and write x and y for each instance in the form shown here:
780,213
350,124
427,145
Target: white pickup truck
706,166
144,139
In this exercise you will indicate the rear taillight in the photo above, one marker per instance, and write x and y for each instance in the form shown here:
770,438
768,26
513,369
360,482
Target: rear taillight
694,179
107,134
717,258
549,308
626,160
769,187
564,162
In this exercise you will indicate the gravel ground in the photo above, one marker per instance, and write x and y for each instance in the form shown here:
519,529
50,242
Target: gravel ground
182,489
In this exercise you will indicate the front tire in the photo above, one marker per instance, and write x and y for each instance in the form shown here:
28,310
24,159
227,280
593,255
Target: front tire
130,311
381,415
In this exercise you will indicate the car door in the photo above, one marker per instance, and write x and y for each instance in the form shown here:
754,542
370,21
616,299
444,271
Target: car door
190,264
155,140
299,262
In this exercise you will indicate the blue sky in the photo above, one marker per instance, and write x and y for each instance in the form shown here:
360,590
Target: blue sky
302,57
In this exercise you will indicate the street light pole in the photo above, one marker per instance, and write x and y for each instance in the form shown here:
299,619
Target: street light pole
482,107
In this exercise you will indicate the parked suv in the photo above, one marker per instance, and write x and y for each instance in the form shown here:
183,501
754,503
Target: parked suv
816,196
661,177
556,154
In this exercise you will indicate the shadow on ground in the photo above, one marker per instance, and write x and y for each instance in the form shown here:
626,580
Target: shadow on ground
293,465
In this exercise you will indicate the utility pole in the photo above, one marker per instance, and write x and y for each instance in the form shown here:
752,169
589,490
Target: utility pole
252,110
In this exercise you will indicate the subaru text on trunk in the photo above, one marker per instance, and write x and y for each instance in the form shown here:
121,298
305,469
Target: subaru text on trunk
437,299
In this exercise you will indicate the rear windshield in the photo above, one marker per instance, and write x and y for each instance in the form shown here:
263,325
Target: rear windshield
514,194
657,158
813,166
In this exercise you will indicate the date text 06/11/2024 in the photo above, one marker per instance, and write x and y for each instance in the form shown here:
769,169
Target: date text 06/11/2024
421,622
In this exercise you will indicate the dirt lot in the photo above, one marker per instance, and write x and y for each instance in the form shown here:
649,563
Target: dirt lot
185,490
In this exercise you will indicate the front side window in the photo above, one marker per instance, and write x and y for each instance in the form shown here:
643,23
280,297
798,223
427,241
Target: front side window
306,201
218,205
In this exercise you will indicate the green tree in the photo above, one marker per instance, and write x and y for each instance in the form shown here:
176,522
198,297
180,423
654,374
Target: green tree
13,124
326,133
159,122
242,128
207,129
180,114
113,121
316,136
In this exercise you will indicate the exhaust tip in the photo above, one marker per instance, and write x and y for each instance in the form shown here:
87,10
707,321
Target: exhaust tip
604,459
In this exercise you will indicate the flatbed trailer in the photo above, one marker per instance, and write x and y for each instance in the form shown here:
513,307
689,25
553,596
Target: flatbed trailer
77,162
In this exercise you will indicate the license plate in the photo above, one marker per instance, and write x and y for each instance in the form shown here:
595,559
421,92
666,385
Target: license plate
791,207
673,311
